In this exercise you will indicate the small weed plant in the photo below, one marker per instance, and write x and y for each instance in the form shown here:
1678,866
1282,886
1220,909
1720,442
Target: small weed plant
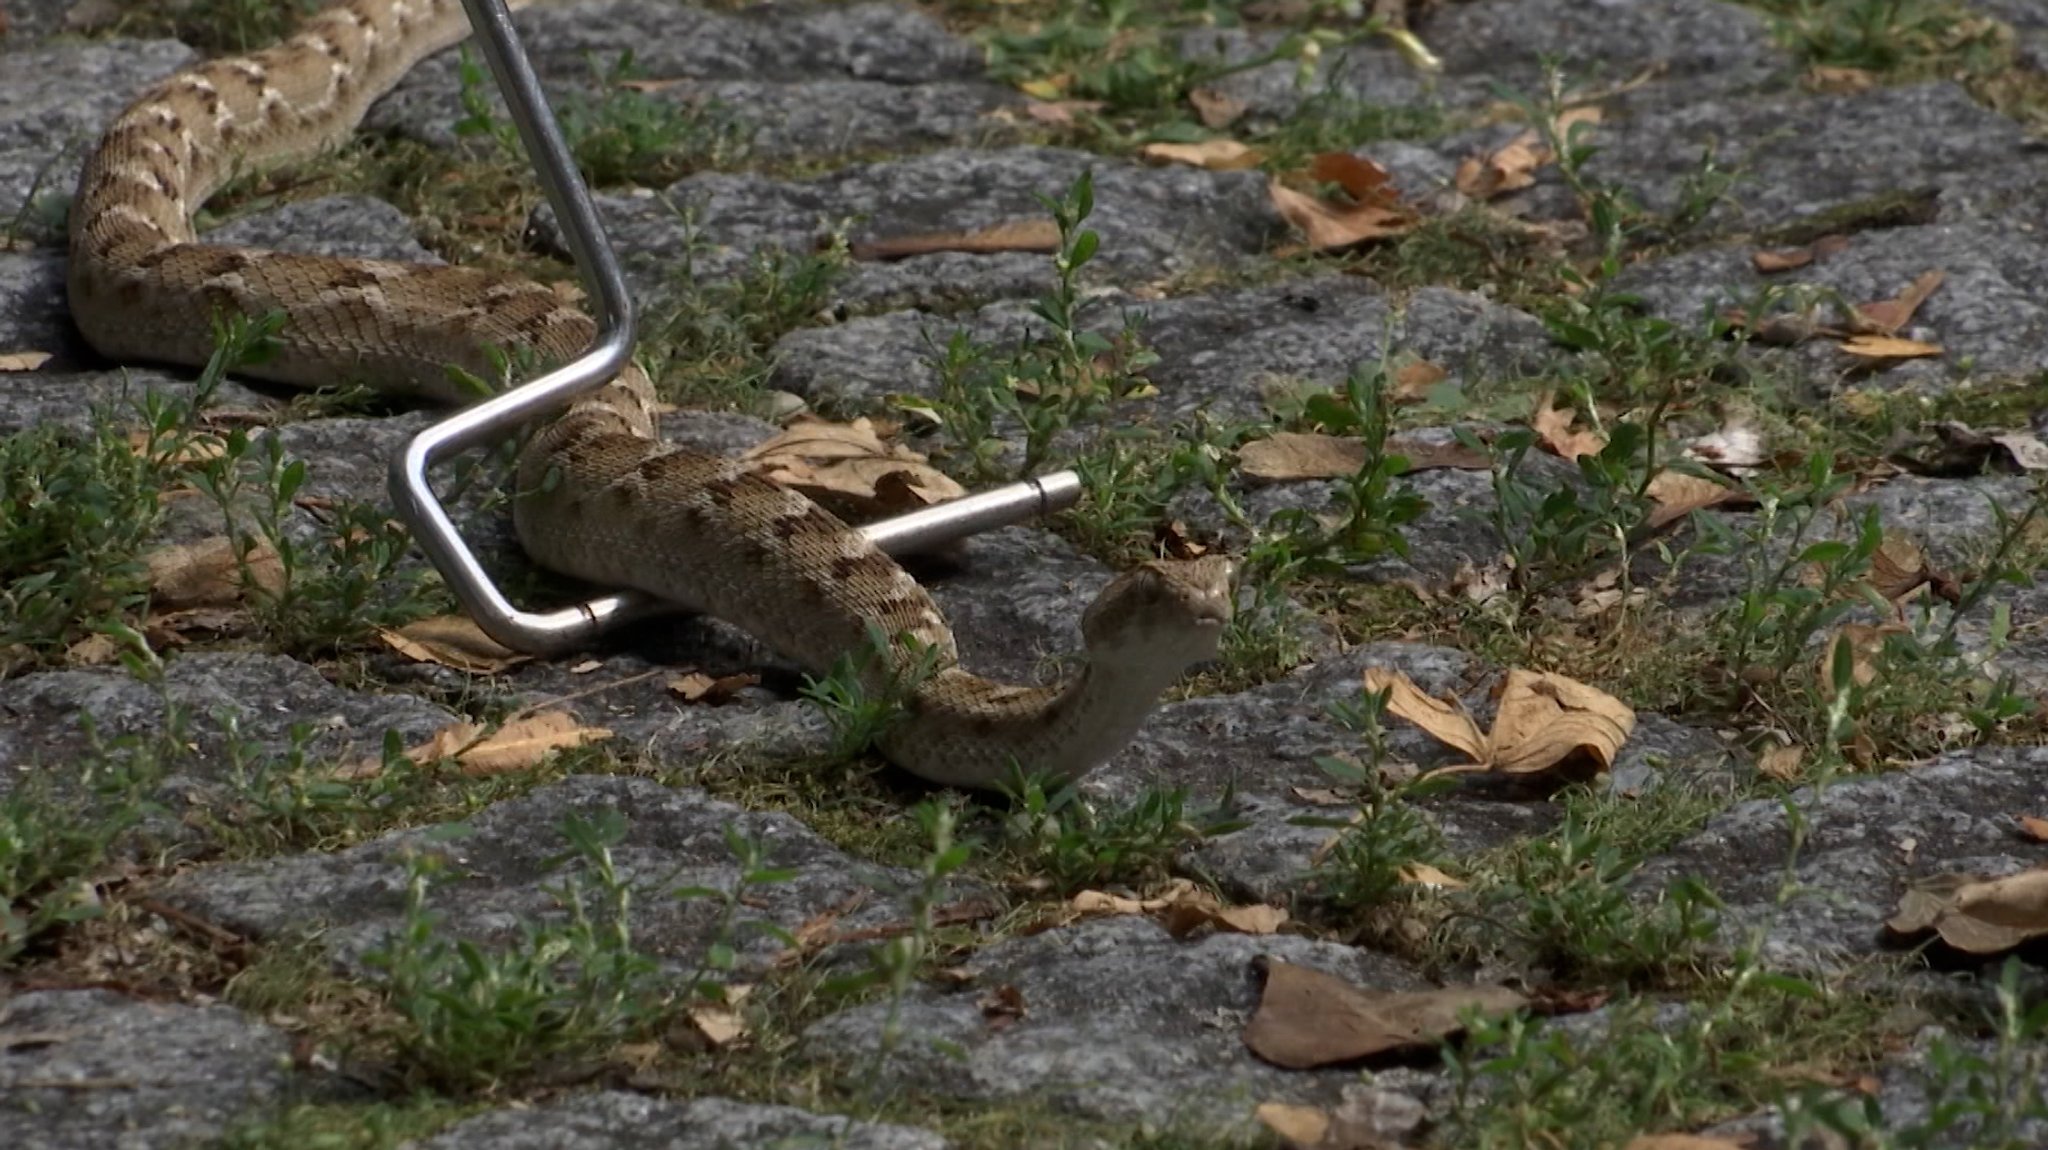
1365,866
1065,377
564,993
1064,841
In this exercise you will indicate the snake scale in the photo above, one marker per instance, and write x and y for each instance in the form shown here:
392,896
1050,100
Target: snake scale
600,497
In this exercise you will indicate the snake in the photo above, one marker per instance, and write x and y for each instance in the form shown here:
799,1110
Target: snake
598,496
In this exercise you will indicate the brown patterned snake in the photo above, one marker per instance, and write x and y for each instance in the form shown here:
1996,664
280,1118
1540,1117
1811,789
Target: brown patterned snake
601,498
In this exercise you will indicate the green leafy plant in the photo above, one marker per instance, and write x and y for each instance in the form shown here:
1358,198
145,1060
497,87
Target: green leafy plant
861,705
1066,377
476,1017
55,836
1069,843
1363,866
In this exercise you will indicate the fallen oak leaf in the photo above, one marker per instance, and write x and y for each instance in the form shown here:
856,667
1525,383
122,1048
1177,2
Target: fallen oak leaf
1889,347
516,746
1550,723
1212,155
1976,916
1886,317
1446,721
1307,1018
451,641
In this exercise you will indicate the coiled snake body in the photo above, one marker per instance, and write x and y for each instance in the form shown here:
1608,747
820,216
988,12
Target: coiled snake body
601,498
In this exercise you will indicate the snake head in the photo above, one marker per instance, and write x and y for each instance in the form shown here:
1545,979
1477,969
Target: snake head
1167,611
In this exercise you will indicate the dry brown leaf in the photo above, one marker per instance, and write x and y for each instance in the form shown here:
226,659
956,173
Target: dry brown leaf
1977,916
1196,908
1553,427
1375,210
1685,1142
1334,227
1899,567
452,641
1215,109
698,687
1446,721
23,360
1866,648
2035,827
1300,1126
1886,317
1323,796
1412,381
1213,155
1678,495
1091,903
1060,113
211,573
1888,347
1781,762
2025,448
720,1024
1037,234
194,449
847,468
1291,455
1840,81
516,746
1307,1018
1423,874
1001,1006
1513,166
1780,259
1550,723
95,650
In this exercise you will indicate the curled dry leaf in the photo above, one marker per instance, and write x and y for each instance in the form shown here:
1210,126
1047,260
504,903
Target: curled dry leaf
1886,317
1781,762
1060,113
1866,650
1678,495
1553,428
1780,259
1977,916
1889,347
211,573
1686,1142
711,690
1374,212
1414,379
1513,166
1546,723
1037,234
1444,720
1286,456
518,745
1213,155
1215,109
1550,723
1307,1018
23,360
1423,874
2034,827
452,641
1899,567
847,468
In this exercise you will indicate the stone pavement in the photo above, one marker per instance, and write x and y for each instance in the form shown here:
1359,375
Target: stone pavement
877,118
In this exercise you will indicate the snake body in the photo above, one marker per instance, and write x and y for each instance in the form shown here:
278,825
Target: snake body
600,497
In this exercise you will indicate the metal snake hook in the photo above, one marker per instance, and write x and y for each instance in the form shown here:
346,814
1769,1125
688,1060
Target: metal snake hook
553,631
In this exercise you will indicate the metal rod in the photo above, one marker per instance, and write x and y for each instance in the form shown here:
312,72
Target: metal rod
554,631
